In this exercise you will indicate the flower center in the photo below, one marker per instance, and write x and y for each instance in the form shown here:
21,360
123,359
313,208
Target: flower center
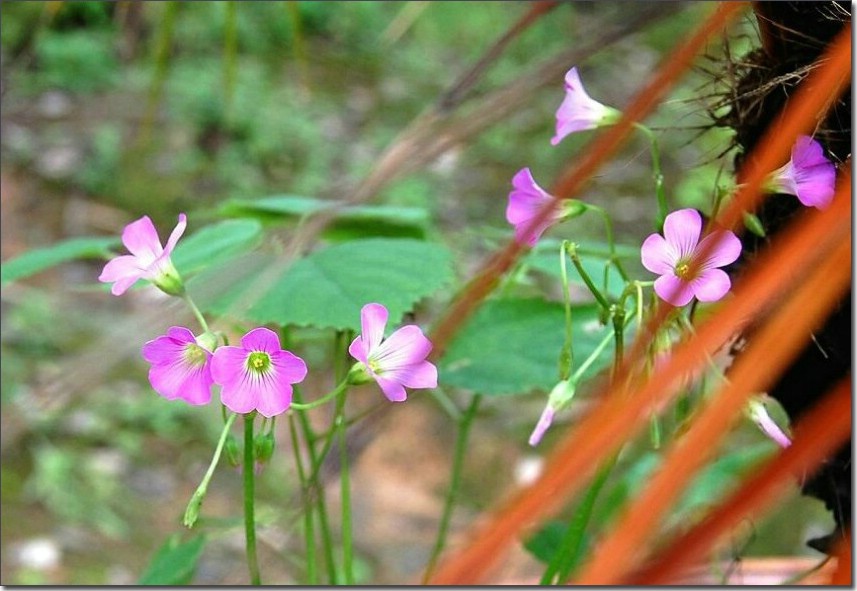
374,366
259,361
682,270
194,354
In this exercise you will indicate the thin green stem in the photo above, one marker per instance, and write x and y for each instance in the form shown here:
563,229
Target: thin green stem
611,243
566,355
592,357
316,403
571,249
192,511
570,551
660,190
618,315
318,490
306,499
196,312
249,500
345,494
457,467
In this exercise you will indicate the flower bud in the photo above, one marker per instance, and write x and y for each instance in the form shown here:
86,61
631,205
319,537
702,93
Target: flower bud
233,453
263,447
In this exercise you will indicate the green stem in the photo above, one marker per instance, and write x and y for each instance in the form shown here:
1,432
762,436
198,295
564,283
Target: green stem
660,190
316,403
457,467
571,249
618,314
249,509
566,355
196,312
570,551
306,498
345,494
592,357
318,489
611,243
192,511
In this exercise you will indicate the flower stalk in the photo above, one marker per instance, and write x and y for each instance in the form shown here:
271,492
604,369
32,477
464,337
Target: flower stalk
191,513
249,501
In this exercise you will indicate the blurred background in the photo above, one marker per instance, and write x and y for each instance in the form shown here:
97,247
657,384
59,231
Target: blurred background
113,110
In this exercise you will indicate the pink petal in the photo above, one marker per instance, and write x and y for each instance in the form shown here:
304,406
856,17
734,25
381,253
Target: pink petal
578,111
228,365
261,339
166,349
725,249
710,285
771,429
373,321
176,234
123,271
171,375
141,239
681,231
289,367
527,199
406,346
358,350
237,398
807,153
542,425
817,185
526,202
673,290
273,395
392,389
657,256
190,383
420,375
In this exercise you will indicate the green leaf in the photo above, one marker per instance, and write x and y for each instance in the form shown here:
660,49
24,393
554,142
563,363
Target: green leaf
37,260
328,288
216,243
350,221
511,346
174,563
545,542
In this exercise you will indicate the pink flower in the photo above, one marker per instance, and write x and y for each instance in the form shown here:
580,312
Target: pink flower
148,259
578,111
526,200
258,375
675,256
395,363
181,366
809,175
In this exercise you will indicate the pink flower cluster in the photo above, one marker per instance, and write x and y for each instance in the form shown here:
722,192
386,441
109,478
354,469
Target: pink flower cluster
528,201
257,375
